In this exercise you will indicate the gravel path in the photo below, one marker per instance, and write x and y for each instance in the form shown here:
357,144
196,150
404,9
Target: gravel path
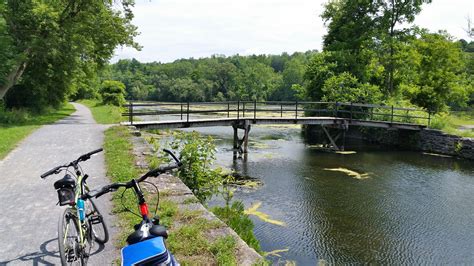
29,216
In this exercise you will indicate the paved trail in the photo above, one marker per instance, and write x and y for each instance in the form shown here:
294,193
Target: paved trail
28,214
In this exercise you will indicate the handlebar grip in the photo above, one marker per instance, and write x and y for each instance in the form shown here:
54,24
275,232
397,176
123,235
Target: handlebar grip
50,172
88,155
95,151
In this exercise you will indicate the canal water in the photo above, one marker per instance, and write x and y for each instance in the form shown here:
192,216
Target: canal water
410,208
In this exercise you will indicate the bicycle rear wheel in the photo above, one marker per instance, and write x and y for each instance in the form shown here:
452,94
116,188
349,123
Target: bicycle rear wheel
97,224
69,239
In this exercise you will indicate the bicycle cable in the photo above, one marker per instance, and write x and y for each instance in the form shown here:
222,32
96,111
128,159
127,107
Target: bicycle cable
157,195
129,210
124,206
80,168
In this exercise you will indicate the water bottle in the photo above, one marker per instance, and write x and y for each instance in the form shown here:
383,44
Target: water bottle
80,209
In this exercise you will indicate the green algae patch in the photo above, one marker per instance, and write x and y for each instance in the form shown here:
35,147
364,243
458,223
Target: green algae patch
348,172
253,210
437,155
345,152
276,252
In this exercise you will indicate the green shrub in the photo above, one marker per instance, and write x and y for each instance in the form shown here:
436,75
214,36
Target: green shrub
197,155
113,92
440,121
234,216
14,116
345,88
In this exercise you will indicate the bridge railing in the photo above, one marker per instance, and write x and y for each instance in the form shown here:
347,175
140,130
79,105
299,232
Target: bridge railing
187,111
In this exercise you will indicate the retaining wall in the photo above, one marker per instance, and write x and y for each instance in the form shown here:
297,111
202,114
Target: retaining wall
427,140
173,189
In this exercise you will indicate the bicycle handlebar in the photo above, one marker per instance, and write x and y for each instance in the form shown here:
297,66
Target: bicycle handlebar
50,172
88,155
81,158
114,186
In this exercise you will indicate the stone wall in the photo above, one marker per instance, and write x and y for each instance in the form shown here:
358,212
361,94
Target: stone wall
438,142
428,140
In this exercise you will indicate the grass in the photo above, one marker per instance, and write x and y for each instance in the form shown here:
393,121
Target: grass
188,232
104,114
451,123
18,129
235,216
223,248
121,168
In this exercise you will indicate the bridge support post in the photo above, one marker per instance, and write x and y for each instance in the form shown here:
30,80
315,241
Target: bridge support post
333,142
241,145
246,138
130,112
236,138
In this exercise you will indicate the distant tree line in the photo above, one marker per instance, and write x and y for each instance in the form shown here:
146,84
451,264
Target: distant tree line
217,78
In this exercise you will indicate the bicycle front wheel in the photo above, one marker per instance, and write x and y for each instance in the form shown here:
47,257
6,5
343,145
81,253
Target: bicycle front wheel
69,239
97,224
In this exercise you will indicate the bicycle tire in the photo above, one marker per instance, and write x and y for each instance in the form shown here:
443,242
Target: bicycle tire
69,252
98,230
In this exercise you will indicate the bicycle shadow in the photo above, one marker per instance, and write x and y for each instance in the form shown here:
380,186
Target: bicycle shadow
41,257
48,254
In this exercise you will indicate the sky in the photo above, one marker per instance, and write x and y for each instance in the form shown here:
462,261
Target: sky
174,29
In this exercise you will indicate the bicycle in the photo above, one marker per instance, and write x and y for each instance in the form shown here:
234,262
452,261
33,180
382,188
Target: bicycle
146,244
81,222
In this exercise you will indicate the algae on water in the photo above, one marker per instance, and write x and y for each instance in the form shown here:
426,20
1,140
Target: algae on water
345,152
275,252
263,216
348,172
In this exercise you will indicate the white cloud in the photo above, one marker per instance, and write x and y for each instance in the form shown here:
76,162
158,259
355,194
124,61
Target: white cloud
173,29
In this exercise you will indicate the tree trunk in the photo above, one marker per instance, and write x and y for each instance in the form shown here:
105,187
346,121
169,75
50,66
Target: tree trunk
12,78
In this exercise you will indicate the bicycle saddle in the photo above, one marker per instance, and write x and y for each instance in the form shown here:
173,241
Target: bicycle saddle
66,181
147,232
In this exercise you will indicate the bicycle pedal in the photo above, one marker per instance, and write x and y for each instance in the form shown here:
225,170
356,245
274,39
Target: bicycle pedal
95,219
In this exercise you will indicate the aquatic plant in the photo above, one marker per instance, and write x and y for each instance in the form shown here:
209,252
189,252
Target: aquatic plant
262,216
349,172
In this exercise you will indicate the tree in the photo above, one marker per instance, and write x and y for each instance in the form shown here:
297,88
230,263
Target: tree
351,28
256,82
357,26
395,12
292,75
113,92
345,88
53,41
437,79
320,68
217,78
470,27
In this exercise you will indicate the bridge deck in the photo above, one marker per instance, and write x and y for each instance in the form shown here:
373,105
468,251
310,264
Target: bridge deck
270,121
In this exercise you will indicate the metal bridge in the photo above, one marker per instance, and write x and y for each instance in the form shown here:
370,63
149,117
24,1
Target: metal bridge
243,114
